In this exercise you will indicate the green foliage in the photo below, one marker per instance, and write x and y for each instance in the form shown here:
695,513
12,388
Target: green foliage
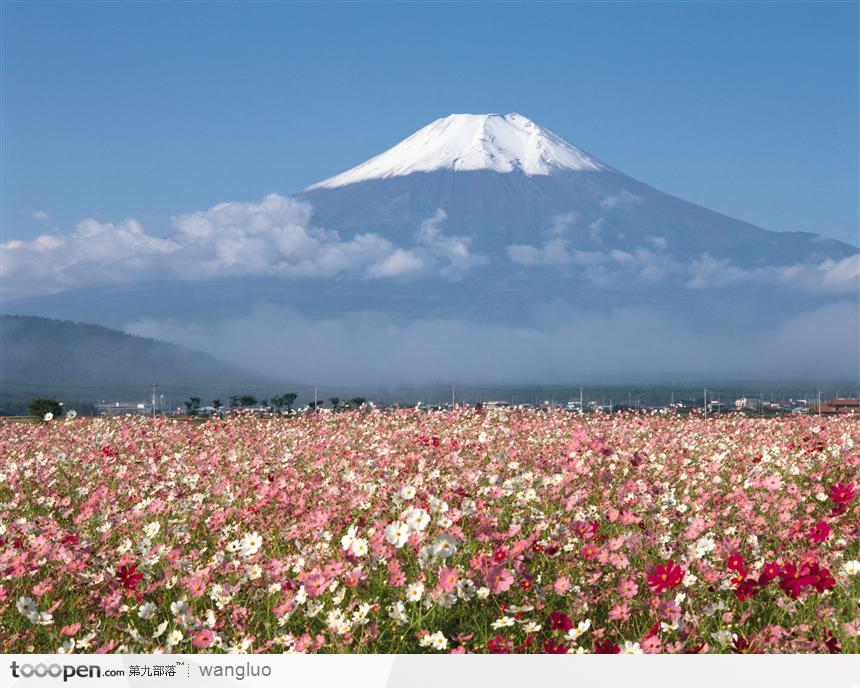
192,405
41,405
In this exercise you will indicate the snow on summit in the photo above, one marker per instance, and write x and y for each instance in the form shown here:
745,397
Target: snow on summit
501,143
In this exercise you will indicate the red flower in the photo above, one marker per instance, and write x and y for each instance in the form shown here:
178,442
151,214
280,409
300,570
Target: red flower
129,576
665,577
560,621
501,554
551,648
745,589
819,532
735,562
497,645
769,573
606,647
834,647
842,493
794,580
741,645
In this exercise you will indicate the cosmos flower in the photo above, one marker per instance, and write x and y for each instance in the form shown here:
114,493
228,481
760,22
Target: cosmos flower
397,534
665,577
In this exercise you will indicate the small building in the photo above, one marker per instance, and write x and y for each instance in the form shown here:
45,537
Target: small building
123,408
837,407
748,404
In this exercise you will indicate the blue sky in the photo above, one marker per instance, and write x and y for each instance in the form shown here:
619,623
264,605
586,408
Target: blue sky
117,111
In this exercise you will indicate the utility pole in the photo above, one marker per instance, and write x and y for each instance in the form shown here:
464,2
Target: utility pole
315,398
452,396
581,408
819,403
154,387
705,399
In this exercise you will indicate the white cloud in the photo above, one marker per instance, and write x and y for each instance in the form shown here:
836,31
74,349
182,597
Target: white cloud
41,215
93,252
454,250
622,198
830,276
271,237
398,263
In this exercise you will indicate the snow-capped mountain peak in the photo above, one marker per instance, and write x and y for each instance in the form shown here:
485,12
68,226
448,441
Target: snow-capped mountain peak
501,143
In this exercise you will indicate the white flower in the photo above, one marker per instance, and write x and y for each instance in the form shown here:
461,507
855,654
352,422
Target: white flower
631,648
71,415
851,568
397,534
48,416
439,641
407,492
152,529
146,611
347,539
445,546
397,611
179,607
482,593
581,628
417,519
722,637
161,628
415,592
503,622
26,606
531,627
250,544
174,637
359,547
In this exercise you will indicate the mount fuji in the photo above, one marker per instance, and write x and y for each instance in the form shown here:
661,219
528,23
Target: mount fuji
511,185
481,246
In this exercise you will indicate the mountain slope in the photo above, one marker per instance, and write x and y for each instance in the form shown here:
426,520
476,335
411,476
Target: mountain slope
74,360
511,190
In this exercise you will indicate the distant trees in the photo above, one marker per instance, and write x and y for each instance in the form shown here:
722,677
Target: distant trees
216,404
40,406
241,400
335,403
285,401
358,402
192,405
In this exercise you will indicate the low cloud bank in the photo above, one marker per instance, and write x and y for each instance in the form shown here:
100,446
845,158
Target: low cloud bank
369,348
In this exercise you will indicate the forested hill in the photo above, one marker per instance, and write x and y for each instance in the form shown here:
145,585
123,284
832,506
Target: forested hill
45,357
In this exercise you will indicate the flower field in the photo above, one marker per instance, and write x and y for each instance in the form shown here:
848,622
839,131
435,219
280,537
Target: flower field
468,531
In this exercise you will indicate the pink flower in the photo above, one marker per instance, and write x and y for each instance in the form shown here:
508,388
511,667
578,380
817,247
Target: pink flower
447,578
620,612
561,585
499,579
195,585
203,639
628,588
315,583
650,645
71,629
